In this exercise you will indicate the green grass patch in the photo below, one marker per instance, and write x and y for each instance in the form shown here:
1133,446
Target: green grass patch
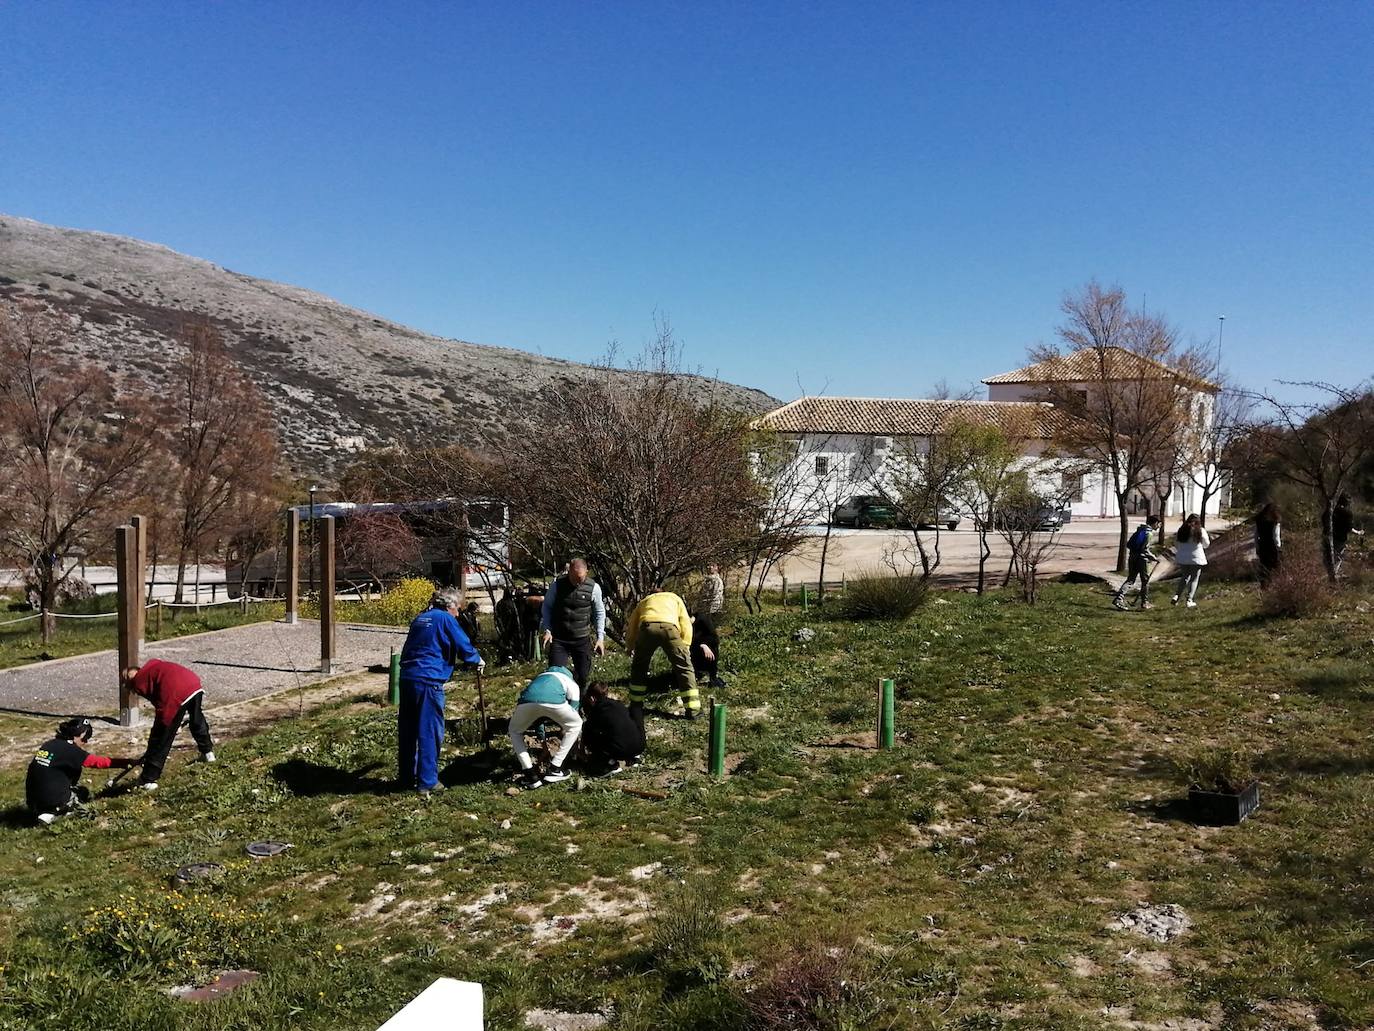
966,879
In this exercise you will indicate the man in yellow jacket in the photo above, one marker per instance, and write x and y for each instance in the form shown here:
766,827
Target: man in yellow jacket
660,620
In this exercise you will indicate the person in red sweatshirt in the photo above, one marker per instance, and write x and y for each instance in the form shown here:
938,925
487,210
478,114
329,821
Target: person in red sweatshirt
50,787
177,695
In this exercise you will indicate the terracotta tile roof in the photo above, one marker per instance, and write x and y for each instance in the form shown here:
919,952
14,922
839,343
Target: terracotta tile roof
1082,367
896,416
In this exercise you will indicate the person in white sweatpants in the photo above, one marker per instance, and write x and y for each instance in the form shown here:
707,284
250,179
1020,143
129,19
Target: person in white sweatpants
553,694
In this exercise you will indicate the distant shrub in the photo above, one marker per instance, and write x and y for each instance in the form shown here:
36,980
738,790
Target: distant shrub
397,607
871,595
806,987
688,942
1299,587
1217,769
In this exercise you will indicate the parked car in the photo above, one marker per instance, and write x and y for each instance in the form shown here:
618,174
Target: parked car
1045,519
864,510
948,517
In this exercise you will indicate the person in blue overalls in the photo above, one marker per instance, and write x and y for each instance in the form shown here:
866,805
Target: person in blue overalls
434,645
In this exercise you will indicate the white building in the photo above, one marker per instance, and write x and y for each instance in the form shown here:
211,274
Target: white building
848,445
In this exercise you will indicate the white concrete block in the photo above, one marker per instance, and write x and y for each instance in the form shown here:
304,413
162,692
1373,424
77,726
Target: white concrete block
446,1005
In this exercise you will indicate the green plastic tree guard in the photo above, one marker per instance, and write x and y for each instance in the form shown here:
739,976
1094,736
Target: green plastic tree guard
887,721
717,744
393,685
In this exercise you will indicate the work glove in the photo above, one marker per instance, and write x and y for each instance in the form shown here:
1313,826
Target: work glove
481,666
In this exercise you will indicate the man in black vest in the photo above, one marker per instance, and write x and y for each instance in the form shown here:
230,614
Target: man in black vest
573,622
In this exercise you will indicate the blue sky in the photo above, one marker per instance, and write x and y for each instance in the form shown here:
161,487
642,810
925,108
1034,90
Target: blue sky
856,199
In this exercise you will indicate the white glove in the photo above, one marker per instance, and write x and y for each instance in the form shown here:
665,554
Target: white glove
482,666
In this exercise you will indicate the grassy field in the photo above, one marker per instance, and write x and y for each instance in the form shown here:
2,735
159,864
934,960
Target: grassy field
967,879
22,643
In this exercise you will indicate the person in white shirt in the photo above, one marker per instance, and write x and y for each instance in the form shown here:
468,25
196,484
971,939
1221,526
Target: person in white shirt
1190,555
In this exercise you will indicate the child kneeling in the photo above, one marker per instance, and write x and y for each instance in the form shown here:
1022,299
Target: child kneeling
553,695
613,735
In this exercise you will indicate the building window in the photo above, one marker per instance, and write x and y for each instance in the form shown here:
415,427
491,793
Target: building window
822,465
1073,486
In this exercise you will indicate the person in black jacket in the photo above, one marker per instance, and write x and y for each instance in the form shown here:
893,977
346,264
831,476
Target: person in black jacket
612,734
706,650
1268,541
50,787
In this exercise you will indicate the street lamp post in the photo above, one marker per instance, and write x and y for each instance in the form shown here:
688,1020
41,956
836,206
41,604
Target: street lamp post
313,489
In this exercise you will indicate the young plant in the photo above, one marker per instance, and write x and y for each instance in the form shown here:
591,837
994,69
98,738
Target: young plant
1227,770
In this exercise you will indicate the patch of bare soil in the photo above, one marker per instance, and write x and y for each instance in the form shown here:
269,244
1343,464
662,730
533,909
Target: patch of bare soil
557,1020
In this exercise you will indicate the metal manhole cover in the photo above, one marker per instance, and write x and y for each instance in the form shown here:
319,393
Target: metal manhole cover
263,849
198,872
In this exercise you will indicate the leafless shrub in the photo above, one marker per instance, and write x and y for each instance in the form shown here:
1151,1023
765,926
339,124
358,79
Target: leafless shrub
1299,588
803,989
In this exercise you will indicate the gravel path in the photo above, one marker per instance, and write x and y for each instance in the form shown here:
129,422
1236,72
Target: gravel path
235,665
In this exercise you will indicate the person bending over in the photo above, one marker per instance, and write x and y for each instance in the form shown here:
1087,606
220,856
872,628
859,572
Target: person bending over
553,695
611,733
177,697
660,620
51,787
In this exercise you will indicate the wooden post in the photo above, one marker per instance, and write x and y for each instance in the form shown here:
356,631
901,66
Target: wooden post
293,564
140,525
784,592
157,618
327,636
129,597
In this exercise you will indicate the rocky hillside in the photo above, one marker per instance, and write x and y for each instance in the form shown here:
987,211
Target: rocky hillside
339,379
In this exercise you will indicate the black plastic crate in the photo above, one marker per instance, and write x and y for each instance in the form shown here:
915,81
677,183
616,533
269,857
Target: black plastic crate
1218,808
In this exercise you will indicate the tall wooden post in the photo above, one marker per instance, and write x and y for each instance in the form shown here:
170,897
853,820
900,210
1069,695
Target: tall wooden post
130,597
326,528
140,525
293,564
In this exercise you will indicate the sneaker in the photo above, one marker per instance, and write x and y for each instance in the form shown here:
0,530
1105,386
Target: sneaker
1192,604
717,681
1174,600
1119,603
529,780
426,792
46,818
556,774
633,762
207,757
150,786
1146,605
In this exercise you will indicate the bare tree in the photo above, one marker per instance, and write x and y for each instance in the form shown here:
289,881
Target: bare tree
379,544
793,498
1133,390
224,443
996,464
1319,445
638,476
921,479
1021,522
72,451
1214,438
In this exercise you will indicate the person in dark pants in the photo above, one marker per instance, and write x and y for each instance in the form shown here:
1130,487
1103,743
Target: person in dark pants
1139,559
706,650
507,618
613,734
1268,542
51,786
177,697
1342,523
434,644
468,620
573,622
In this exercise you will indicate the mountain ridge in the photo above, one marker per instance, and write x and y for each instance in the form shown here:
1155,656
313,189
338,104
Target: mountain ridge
338,378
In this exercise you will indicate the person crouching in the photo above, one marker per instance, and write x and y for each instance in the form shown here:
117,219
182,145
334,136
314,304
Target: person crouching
51,786
612,734
553,695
